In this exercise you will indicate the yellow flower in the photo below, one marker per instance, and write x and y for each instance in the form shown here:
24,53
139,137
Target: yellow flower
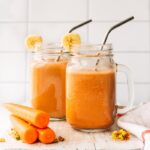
121,135
115,135
71,39
33,40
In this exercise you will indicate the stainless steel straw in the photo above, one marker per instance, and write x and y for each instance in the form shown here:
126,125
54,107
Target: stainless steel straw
109,31
72,29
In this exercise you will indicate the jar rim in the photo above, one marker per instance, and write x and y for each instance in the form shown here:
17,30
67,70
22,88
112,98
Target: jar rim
92,50
82,50
50,48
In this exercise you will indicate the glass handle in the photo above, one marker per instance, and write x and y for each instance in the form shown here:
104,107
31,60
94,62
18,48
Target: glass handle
130,82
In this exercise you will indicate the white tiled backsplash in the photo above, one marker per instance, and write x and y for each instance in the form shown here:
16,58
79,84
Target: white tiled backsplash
53,18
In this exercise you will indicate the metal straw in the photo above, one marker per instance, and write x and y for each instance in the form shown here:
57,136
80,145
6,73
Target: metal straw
72,29
80,25
109,31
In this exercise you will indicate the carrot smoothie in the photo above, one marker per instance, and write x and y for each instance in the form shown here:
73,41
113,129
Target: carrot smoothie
90,99
48,87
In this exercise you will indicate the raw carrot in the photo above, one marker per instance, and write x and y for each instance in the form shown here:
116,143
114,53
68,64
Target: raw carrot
46,135
27,132
36,117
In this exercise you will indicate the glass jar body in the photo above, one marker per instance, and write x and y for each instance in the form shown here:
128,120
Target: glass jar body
91,92
48,77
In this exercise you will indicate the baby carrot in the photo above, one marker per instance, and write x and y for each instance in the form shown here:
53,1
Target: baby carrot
36,117
27,132
46,135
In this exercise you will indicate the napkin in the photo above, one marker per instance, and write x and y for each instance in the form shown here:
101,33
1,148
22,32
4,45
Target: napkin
137,122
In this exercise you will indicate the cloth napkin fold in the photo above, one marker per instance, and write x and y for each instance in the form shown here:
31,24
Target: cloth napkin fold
137,122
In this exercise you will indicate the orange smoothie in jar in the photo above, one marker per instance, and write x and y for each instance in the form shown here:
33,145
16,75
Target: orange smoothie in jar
90,99
48,87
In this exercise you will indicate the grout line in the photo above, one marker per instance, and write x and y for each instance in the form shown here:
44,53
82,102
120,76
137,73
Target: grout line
12,22
111,21
26,55
11,51
75,21
87,15
149,9
149,24
132,51
87,9
1,22
136,83
13,82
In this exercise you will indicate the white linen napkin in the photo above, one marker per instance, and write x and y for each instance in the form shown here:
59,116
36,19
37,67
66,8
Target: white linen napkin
137,122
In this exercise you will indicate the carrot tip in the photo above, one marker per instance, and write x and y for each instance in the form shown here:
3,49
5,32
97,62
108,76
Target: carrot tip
30,136
46,136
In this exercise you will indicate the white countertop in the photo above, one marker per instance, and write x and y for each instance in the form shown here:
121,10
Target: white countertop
73,139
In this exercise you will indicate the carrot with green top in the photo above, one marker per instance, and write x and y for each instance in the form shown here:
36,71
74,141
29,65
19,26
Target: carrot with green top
27,132
46,135
36,117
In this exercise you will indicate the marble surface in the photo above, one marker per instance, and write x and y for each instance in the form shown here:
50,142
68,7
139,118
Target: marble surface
74,140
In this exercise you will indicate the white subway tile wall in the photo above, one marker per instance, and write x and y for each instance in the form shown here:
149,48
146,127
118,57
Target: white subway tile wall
56,10
53,32
126,38
106,10
53,18
13,10
12,37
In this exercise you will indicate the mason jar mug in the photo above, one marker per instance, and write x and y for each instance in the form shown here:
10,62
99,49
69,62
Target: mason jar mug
48,77
91,88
